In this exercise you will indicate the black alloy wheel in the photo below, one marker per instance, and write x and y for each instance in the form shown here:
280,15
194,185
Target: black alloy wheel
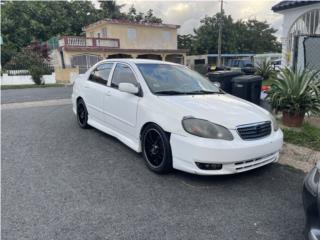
82,114
156,149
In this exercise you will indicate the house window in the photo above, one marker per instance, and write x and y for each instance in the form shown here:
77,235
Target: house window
92,34
166,35
99,35
104,32
132,33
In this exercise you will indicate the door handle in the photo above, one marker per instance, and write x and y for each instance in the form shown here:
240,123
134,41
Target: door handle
108,94
86,86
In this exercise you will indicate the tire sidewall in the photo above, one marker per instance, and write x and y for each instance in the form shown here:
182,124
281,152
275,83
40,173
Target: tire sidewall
166,164
82,125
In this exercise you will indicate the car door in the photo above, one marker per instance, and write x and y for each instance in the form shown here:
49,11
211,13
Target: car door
121,107
95,88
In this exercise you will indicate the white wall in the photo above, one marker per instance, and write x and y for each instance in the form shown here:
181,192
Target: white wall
25,79
289,18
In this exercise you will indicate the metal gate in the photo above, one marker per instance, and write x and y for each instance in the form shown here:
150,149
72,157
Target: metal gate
307,52
84,62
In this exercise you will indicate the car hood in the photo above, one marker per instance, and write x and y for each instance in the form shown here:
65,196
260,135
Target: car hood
222,109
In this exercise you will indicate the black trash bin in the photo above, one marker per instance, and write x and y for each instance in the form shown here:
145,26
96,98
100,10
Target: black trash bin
247,87
224,79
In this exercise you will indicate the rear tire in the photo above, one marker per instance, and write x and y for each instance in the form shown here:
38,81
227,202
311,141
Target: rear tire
156,149
82,114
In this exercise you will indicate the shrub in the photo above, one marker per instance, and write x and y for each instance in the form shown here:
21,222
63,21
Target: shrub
30,61
36,72
295,92
265,70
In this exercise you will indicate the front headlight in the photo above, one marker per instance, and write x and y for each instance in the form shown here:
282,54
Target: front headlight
206,129
274,123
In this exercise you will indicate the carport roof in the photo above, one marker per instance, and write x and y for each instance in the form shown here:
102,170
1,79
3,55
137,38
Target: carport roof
284,5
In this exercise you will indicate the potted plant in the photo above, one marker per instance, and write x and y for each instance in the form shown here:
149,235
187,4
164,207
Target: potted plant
265,70
295,93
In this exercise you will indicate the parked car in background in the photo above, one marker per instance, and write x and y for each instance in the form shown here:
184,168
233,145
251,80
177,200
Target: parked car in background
175,117
276,64
311,203
245,65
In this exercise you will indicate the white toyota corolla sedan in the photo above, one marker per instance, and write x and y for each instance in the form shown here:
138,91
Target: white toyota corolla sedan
175,117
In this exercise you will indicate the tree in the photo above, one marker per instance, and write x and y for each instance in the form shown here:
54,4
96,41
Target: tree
25,21
250,36
186,42
110,9
150,18
132,15
32,59
259,37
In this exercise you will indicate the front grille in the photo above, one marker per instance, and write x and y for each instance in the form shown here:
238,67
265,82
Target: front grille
254,131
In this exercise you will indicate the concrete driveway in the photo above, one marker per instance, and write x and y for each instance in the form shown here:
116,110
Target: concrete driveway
63,182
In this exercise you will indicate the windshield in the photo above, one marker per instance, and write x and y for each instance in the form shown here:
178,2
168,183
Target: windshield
174,79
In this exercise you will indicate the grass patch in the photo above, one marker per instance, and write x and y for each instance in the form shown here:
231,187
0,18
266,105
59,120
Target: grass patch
4,87
307,136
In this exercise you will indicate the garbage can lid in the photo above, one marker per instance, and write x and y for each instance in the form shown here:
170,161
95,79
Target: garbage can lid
225,73
247,79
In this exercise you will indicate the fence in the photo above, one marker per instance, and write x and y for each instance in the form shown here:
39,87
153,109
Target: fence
306,52
25,79
15,69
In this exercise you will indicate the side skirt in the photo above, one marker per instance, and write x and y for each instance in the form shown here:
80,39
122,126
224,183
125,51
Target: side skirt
133,144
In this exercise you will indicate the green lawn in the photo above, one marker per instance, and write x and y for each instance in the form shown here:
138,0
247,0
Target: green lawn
308,136
4,87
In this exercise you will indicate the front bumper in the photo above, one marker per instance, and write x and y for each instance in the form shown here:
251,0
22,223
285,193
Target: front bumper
235,156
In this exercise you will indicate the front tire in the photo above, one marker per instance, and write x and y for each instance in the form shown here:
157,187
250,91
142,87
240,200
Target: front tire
156,149
82,114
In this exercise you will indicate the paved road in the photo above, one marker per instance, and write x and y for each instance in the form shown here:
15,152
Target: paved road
63,182
35,94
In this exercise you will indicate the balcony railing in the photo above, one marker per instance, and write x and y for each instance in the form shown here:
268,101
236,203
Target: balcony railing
74,41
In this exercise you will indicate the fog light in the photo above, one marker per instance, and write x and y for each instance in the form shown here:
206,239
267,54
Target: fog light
209,166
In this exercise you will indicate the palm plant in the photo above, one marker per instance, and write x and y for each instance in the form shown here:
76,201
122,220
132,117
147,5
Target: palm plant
295,93
265,70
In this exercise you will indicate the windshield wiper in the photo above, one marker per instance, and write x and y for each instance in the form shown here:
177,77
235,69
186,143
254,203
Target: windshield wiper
204,92
170,92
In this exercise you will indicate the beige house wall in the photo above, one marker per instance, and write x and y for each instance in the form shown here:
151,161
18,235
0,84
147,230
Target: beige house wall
63,75
146,37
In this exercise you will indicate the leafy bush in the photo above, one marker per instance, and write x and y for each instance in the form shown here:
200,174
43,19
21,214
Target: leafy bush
265,70
295,92
31,62
36,73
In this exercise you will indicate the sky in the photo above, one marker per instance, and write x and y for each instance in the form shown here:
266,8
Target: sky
188,14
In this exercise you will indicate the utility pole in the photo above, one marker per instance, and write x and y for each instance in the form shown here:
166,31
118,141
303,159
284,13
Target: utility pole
220,34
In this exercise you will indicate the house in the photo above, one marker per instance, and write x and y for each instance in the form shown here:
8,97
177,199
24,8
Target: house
110,38
301,33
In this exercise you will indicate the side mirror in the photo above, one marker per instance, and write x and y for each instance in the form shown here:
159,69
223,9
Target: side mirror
128,88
